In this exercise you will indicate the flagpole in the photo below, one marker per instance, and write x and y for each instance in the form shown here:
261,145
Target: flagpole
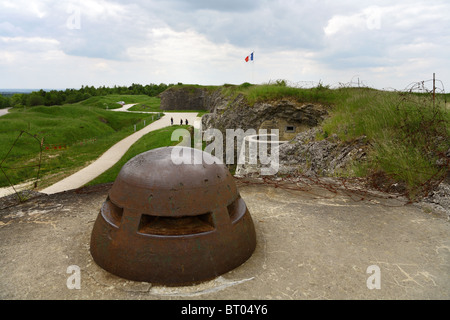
253,67
252,59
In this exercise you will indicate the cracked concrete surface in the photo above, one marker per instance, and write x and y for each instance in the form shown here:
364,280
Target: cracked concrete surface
312,244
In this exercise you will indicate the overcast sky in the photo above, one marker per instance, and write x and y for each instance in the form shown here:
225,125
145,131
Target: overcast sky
66,44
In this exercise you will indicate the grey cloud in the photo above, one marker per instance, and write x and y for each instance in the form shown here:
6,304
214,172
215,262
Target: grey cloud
79,31
8,29
269,26
272,25
366,44
216,5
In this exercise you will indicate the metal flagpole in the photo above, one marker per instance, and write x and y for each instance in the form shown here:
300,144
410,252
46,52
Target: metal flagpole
253,67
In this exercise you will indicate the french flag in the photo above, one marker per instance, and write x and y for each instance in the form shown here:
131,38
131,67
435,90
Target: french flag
249,58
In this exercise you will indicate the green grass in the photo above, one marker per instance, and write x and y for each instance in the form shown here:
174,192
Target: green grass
201,113
271,92
407,134
152,104
279,90
192,87
155,139
82,132
110,101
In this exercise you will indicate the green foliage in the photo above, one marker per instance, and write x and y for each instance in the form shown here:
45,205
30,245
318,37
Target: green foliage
67,126
192,87
407,134
150,104
111,101
280,90
70,96
245,85
4,102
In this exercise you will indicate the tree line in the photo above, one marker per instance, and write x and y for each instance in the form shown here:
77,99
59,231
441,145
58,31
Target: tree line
68,96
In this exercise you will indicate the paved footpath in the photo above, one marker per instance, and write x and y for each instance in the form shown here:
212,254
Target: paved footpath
4,111
115,153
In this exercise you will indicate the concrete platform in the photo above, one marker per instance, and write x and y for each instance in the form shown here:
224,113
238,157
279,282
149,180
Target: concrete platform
314,242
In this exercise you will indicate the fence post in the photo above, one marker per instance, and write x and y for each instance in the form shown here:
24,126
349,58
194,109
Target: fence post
434,89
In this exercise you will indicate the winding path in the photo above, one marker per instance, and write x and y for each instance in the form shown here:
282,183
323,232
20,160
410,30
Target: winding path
115,153
4,111
112,155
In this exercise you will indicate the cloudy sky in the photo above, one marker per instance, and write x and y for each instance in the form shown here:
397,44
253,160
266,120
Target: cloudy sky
66,44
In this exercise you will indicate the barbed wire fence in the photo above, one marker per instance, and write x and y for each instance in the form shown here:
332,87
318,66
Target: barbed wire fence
358,188
424,86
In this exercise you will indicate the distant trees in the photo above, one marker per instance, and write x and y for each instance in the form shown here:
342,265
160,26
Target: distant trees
4,102
55,97
18,99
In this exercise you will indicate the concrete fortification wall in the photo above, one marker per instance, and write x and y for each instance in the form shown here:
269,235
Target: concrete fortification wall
297,122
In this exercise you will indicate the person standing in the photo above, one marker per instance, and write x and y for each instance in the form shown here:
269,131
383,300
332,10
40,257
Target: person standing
181,122
171,121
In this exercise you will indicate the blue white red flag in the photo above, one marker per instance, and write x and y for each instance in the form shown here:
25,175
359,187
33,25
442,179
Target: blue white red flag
249,58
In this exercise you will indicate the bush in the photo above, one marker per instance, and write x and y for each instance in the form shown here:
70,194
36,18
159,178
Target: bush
409,136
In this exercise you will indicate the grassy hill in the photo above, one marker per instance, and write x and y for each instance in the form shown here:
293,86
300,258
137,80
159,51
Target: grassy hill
408,133
110,101
70,136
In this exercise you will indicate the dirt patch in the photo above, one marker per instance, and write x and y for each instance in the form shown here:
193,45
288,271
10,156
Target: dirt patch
381,181
103,120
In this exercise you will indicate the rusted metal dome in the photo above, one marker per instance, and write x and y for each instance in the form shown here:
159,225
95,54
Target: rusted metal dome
172,223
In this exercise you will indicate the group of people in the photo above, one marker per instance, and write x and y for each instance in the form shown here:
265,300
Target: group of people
181,122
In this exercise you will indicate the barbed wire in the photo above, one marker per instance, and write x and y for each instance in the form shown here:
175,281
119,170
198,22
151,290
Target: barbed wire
430,129
422,86
356,189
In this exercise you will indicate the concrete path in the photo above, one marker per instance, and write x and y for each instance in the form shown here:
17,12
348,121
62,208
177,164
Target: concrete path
125,108
115,153
4,111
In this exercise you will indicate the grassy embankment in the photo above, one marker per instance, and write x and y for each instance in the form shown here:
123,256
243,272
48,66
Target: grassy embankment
110,101
71,136
408,134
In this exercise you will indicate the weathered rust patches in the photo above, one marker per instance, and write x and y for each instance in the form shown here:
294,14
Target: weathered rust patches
180,224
